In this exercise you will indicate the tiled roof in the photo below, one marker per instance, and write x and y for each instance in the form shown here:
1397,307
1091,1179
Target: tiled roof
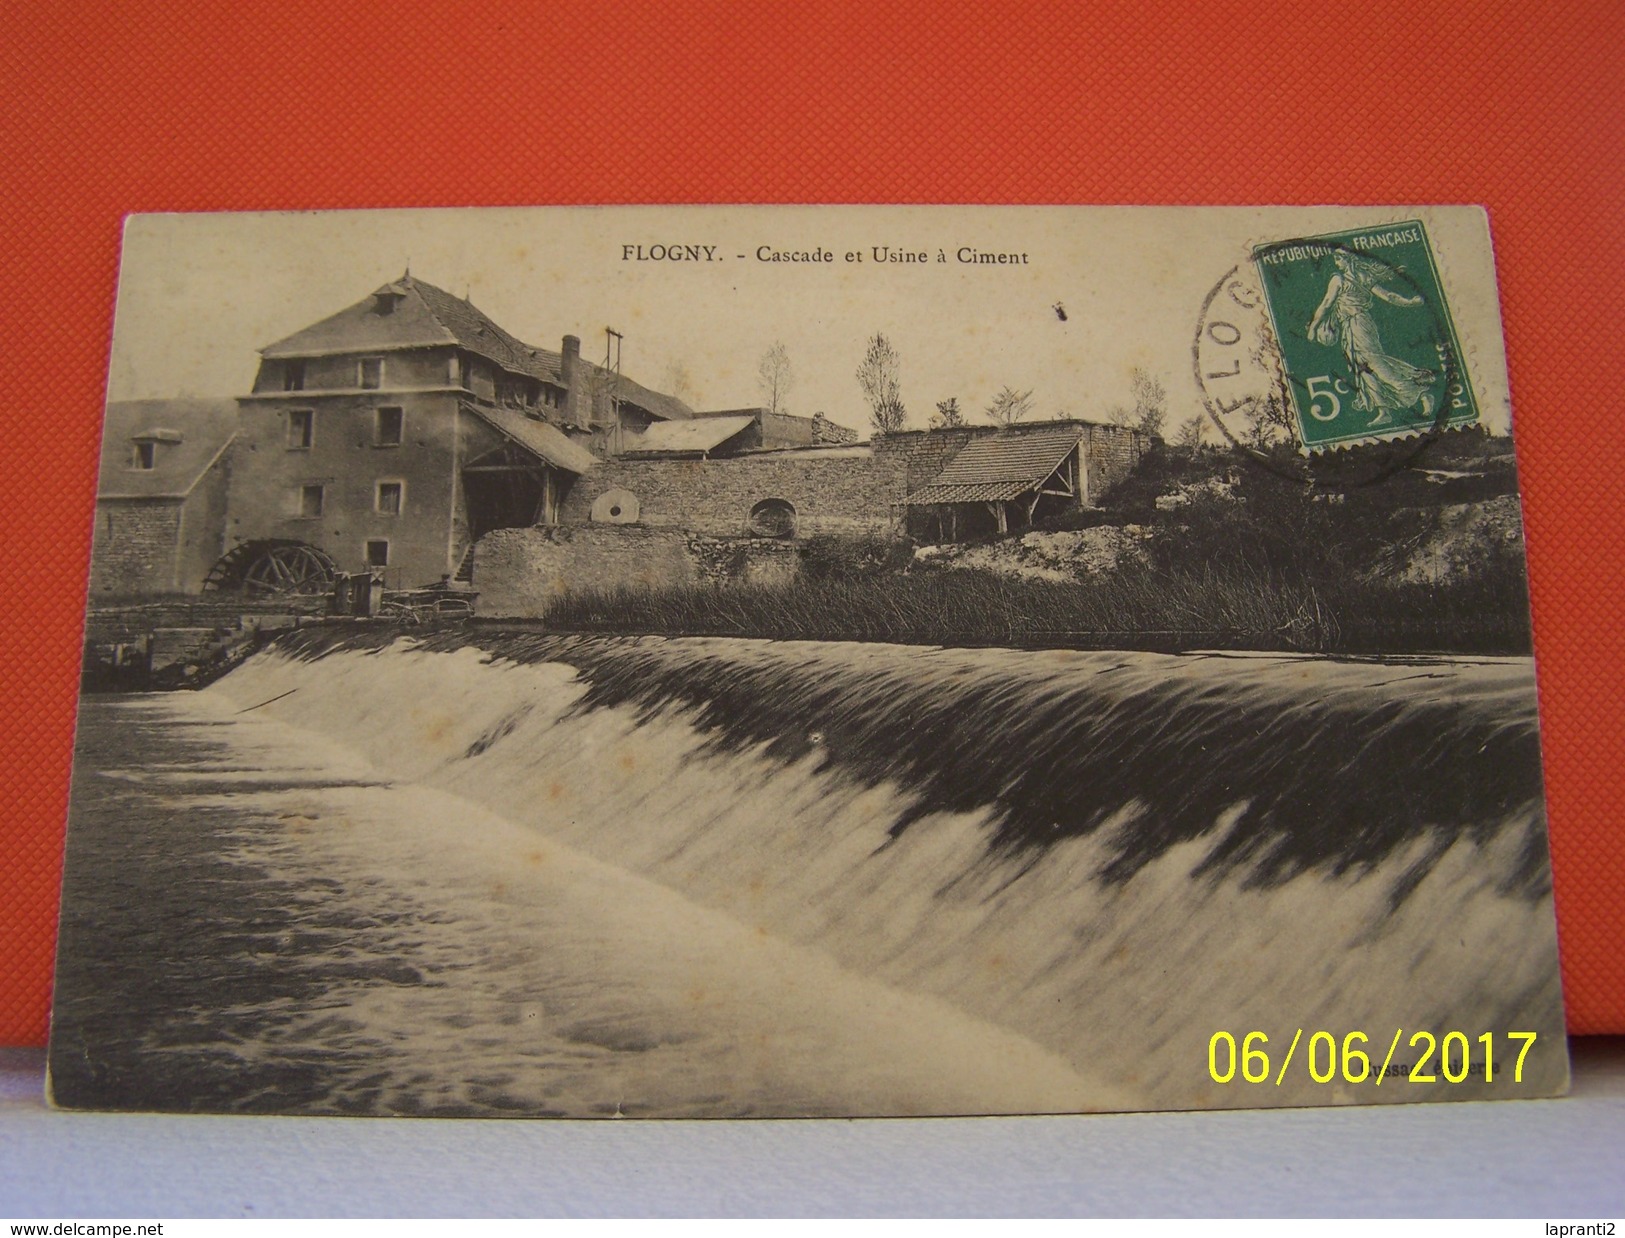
1001,466
188,437
699,434
546,442
480,334
411,324
969,492
426,317
423,317
658,403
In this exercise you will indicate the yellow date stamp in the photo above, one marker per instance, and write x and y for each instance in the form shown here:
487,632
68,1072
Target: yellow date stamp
1453,1057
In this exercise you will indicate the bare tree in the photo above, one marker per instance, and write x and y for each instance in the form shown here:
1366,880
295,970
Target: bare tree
680,383
1010,406
882,387
1270,421
948,414
774,376
1150,402
1192,432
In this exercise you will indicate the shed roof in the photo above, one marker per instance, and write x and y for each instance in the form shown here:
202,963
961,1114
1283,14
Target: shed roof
189,436
701,434
1001,466
544,441
970,492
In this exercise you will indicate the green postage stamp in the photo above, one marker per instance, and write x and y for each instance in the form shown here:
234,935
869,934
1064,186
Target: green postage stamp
1368,349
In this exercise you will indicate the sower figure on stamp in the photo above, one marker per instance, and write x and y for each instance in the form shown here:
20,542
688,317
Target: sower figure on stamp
1383,384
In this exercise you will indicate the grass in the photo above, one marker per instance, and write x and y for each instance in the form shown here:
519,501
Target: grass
1130,609
1276,565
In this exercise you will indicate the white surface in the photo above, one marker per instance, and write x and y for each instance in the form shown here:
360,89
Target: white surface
1557,1159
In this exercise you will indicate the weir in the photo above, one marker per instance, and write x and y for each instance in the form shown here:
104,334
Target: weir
1113,855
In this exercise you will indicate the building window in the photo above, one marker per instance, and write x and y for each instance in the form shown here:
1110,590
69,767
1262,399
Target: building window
773,518
391,494
301,429
387,427
378,553
310,502
371,373
468,374
293,376
146,455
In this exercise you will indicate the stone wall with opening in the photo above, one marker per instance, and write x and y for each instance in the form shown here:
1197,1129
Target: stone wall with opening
827,493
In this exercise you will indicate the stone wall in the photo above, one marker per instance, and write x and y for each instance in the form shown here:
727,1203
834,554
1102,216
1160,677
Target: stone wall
202,529
159,545
1110,453
833,493
913,458
348,462
792,430
520,572
136,547
857,490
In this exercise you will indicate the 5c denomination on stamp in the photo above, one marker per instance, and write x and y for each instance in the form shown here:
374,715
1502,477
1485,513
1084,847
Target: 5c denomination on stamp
1333,341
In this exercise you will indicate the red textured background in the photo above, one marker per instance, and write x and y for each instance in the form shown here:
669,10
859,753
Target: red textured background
150,105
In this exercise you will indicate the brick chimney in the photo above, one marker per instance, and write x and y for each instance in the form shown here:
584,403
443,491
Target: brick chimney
571,379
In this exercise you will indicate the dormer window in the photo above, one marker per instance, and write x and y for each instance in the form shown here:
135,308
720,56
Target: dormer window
389,296
144,447
370,373
293,376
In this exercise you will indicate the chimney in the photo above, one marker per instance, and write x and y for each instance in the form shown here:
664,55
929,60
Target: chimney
570,379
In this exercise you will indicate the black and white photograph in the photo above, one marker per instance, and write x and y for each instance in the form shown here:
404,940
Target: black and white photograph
736,662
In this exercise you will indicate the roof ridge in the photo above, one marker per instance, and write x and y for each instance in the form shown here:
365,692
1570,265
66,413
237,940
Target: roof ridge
461,317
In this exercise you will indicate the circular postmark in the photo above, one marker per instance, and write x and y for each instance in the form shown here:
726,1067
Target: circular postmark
1328,361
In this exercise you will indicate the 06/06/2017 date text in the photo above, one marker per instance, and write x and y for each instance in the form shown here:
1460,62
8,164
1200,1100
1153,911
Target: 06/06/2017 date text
1451,1057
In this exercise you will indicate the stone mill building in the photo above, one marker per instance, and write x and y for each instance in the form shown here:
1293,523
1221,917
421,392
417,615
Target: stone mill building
399,433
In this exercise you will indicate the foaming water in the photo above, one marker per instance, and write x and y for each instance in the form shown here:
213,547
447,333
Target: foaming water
370,946
718,876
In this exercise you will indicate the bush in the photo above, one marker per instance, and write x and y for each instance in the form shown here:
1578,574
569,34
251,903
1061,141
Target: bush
1074,519
831,556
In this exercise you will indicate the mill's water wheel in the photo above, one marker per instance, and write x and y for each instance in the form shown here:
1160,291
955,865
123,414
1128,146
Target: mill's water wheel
265,569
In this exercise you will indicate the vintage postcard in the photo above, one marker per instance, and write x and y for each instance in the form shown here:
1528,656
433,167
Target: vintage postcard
777,662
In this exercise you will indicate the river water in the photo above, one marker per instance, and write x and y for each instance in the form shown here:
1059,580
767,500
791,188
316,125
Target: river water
712,877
